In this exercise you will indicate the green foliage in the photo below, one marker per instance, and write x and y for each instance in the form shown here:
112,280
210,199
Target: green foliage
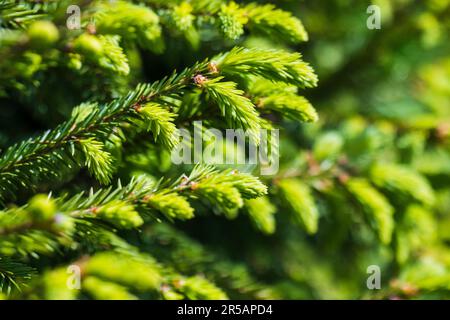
197,288
98,160
417,230
300,200
42,34
276,23
403,181
13,274
132,22
104,290
119,213
171,204
262,212
377,206
53,285
115,267
270,64
232,20
236,108
92,207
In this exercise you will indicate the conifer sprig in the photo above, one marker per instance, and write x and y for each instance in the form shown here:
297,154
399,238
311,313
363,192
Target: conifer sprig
124,205
122,275
76,142
50,153
55,220
16,15
13,274
269,64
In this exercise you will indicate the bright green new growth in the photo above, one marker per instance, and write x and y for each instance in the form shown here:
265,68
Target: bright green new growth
417,230
133,22
110,266
171,205
198,288
236,108
300,200
376,205
98,160
270,64
103,290
119,213
404,181
262,213
232,19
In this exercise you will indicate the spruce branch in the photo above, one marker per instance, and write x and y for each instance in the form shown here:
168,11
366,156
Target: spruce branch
124,275
124,206
269,64
283,99
56,151
238,110
276,23
45,156
17,14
